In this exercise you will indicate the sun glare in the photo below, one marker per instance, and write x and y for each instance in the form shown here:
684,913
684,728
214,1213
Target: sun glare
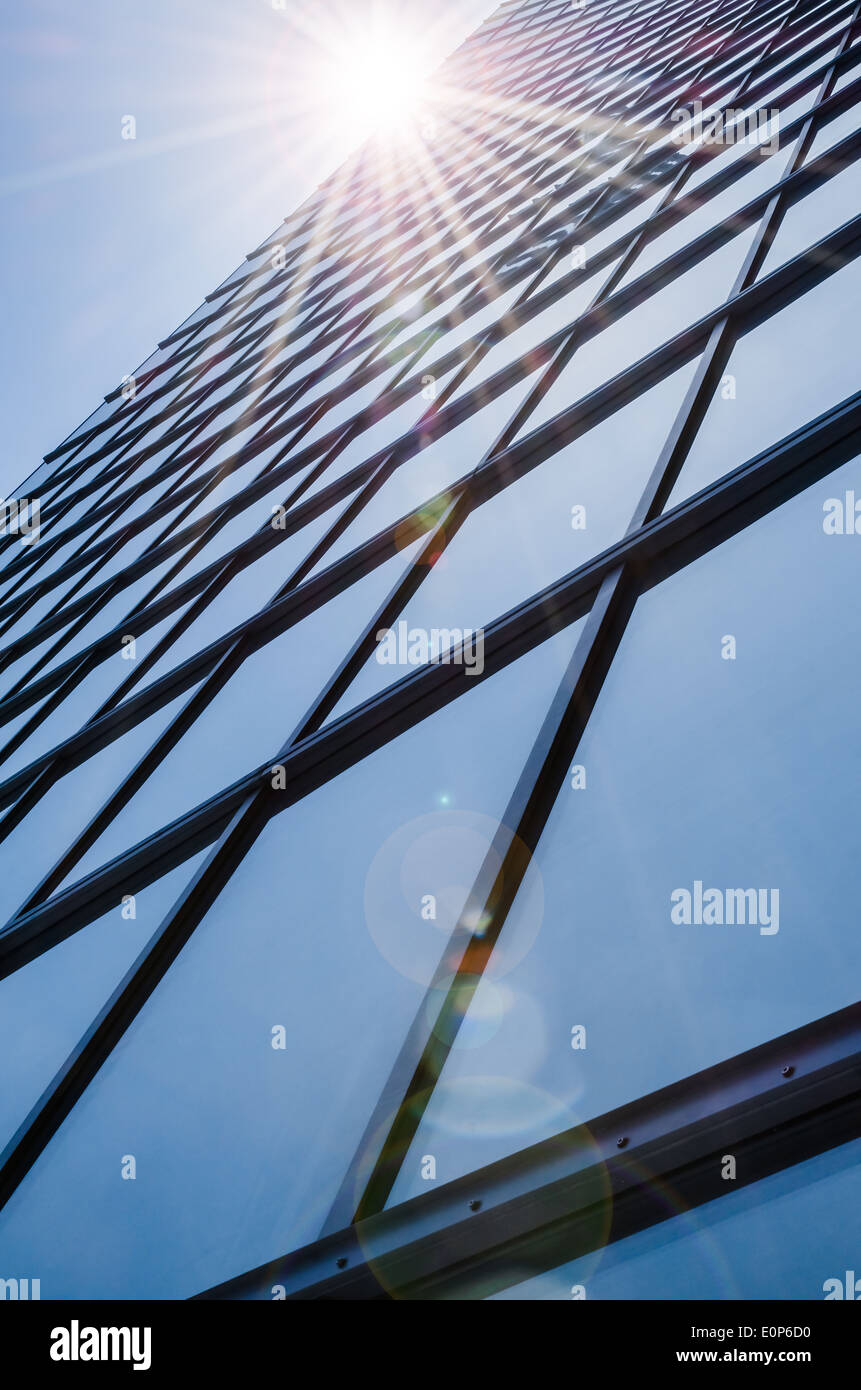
377,83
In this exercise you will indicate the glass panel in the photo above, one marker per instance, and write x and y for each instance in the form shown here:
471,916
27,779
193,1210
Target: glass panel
814,217
790,1236
774,384
592,245
241,1144
437,466
717,209
112,614
384,431
698,776
851,75
37,843
832,133
727,156
238,529
243,596
556,316
47,1006
576,504
82,702
251,717
659,318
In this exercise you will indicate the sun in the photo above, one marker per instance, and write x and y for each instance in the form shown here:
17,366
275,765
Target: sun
376,81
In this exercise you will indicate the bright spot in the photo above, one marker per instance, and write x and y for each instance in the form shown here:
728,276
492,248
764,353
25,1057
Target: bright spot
375,81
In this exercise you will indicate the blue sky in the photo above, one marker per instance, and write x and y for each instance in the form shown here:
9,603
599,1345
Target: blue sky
108,244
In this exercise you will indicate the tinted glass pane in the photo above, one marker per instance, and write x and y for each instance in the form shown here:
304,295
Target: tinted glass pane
38,841
641,330
541,527
438,465
773,384
47,1006
814,217
250,718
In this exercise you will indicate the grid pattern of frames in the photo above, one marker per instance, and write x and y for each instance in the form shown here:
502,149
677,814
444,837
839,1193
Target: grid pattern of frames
295,465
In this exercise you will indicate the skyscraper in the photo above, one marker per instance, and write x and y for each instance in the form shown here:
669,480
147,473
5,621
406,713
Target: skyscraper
429,689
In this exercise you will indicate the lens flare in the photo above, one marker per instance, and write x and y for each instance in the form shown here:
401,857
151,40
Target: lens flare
375,82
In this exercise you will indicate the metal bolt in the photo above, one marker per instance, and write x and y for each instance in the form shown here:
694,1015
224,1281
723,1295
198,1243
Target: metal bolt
475,1205
621,1143
787,1071
342,1262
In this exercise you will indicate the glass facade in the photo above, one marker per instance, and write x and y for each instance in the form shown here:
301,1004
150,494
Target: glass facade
427,769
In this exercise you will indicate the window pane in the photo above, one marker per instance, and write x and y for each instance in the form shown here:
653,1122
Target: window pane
774,384
47,1006
637,333
250,718
540,528
37,842
556,316
437,466
814,217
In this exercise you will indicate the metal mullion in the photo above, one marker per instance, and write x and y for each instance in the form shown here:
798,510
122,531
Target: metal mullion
65,633
121,468
126,1002
250,548
361,650
182,431
207,416
662,274
570,1194
708,369
643,233
84,555
174,509
842,236
789,66
71,614
429,1041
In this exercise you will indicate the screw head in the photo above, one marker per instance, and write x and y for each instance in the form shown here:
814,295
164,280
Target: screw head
475,1204
342,1262
622,1143
788,1071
